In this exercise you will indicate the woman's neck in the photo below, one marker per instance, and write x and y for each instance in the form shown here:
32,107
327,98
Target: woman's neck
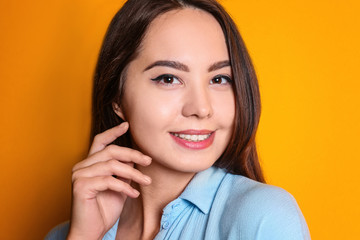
144,213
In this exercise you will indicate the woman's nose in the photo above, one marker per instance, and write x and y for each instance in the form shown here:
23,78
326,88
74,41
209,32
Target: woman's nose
197,103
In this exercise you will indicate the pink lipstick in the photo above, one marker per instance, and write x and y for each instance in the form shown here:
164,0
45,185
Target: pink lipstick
194,139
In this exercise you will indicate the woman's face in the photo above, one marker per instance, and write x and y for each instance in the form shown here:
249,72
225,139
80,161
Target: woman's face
178,97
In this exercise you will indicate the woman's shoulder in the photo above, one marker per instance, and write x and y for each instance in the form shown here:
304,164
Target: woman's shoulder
59,232
252,192
261,209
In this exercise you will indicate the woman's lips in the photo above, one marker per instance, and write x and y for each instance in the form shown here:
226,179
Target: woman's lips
194,139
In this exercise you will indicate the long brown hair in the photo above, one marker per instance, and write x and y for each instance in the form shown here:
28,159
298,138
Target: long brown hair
121,46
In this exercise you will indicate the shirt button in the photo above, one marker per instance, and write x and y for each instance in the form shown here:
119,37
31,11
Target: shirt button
175,206
166,225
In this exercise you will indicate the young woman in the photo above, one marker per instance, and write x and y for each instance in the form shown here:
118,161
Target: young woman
175,109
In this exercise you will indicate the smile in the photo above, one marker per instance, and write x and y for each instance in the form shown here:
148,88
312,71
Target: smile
192,137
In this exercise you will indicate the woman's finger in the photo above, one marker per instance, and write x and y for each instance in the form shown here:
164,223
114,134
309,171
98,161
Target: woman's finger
112,167
88,188
103,139
121,154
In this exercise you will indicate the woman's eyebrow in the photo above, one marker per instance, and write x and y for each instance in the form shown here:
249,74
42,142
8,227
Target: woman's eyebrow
219,65
172,64
183,67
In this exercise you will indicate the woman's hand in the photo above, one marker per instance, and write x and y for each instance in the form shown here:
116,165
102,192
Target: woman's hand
98,196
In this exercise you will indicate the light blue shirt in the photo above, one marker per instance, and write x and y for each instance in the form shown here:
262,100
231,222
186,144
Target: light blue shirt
220,205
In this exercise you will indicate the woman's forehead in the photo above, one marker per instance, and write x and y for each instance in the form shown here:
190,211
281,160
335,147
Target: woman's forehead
186,35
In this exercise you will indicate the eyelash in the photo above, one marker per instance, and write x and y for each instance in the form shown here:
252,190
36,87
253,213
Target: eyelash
161,79
227,78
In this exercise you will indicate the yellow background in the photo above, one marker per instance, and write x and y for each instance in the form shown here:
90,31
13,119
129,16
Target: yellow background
306,54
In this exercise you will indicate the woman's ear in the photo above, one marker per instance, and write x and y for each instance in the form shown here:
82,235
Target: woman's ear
117,109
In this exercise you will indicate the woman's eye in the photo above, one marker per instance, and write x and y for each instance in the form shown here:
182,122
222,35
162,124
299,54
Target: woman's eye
221,80
166,79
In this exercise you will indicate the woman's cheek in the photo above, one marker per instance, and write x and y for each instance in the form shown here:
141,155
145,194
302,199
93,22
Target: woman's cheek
223,104
151,116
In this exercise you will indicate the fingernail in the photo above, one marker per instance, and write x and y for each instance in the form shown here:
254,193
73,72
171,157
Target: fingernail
136,192
147,179
124,124
147,159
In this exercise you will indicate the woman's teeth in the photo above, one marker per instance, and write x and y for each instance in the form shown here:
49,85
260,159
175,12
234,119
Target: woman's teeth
192,138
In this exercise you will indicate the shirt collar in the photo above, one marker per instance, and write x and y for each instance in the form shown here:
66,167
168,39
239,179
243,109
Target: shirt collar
202,188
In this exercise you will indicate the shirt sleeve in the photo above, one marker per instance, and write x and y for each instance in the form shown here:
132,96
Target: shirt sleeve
266,212
283,218
59,232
